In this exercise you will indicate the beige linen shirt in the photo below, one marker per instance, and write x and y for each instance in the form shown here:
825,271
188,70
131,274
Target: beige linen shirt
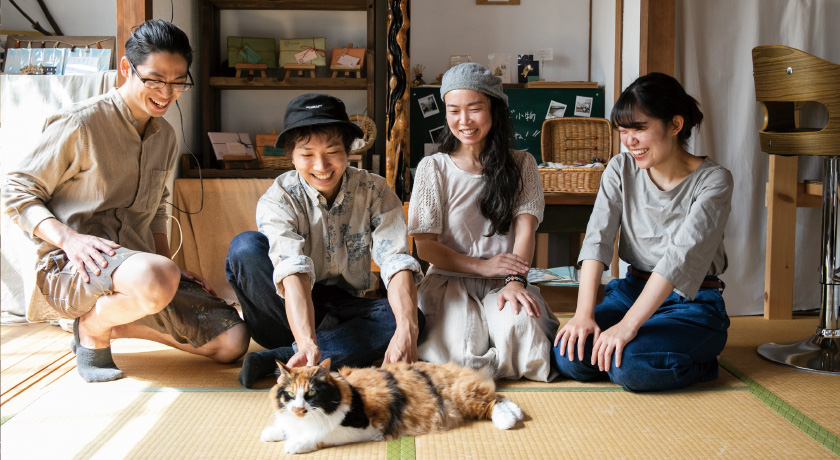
333,245
93,172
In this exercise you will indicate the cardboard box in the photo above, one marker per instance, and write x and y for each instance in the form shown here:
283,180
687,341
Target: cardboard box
252,50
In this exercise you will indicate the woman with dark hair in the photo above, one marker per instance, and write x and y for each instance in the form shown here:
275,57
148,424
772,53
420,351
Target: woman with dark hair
664,324
474,211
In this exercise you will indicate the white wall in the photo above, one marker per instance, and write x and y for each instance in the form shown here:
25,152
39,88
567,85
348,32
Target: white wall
440,28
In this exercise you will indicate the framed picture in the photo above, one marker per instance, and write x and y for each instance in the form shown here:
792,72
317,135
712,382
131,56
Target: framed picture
496,2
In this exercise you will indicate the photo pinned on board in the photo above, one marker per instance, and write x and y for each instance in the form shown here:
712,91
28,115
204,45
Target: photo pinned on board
435,133
583,106
428,105
555,110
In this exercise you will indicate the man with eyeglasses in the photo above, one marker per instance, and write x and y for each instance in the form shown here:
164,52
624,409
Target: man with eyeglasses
93,197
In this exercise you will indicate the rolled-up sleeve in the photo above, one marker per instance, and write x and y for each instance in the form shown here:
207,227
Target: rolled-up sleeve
389,233
28,188
286,230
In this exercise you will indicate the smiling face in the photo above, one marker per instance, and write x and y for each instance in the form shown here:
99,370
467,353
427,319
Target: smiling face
321,161
468,116
651,141
144,102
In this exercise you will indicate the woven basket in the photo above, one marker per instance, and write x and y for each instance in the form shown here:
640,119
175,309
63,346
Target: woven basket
271,162
567,140
285,162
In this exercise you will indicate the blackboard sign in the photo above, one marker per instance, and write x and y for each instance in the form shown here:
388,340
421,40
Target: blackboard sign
529,108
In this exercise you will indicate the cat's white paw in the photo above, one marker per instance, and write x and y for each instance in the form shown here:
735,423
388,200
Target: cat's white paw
297,447
514,409
272,434
506,414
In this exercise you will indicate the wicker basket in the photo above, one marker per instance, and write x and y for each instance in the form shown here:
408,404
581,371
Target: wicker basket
285,162
271,162
567,140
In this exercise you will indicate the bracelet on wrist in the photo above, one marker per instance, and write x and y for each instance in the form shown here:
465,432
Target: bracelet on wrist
518,278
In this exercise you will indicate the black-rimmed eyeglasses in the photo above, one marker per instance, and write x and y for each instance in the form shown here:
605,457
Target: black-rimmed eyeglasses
157,84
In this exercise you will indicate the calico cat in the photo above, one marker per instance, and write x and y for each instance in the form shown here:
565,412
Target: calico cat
315,408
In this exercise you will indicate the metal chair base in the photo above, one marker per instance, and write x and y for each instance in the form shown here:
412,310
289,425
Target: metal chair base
816,354
821,351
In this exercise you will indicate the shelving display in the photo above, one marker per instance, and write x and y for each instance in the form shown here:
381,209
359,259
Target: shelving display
214,79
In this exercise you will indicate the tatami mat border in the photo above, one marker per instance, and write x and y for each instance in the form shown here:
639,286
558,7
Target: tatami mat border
813,429
401,449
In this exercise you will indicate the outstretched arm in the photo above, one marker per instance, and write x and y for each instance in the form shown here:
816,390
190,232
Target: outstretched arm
402,295
301,314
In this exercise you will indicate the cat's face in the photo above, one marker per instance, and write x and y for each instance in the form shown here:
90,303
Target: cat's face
301,390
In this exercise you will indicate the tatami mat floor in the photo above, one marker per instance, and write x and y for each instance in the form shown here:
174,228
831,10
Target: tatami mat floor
177,406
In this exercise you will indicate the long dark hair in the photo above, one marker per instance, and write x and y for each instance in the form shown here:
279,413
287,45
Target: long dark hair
155,36
658,96
500,174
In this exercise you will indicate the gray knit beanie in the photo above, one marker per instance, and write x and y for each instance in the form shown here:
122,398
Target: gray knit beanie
474,76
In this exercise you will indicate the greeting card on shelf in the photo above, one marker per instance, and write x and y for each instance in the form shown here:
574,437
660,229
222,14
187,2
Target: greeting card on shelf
348,60
232,146
303,51
252,50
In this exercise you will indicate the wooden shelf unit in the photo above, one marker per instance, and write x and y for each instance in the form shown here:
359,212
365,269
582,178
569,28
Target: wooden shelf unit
211,85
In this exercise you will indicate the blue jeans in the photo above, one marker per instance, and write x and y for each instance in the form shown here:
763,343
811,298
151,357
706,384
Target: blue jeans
676,347
351,331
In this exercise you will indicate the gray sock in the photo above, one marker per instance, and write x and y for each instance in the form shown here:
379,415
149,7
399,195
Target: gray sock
261,364
94,365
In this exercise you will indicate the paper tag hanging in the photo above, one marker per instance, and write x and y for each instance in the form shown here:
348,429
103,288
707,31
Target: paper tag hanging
350,61
306,56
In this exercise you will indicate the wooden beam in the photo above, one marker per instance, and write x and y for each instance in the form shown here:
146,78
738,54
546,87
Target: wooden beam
130,14
658,26
781,238
617,87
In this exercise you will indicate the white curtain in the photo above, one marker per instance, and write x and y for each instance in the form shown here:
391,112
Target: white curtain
714,41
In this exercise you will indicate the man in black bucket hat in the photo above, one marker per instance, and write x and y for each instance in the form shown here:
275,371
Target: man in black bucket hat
301,279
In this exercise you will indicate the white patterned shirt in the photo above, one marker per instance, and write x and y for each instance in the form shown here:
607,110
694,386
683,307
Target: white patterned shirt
334,245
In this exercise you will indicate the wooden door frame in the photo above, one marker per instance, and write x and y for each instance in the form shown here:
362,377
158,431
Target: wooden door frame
130,14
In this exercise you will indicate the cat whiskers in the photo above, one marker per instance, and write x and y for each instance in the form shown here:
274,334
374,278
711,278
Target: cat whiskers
321,417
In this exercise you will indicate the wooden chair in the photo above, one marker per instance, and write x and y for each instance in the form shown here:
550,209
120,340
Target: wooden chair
785,77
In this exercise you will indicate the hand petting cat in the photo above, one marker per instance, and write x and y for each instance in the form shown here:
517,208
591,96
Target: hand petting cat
307,355
403,347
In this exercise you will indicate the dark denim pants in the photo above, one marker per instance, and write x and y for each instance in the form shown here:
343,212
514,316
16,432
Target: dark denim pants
351,331
676,347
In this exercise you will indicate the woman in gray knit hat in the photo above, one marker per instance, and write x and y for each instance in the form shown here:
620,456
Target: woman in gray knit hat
474,211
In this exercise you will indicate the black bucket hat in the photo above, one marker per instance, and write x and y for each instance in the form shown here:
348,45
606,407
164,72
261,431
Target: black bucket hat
315,109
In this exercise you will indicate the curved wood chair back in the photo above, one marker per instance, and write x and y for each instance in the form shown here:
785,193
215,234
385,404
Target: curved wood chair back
783,77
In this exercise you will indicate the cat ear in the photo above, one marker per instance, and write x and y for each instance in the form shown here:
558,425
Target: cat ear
284,371
325,364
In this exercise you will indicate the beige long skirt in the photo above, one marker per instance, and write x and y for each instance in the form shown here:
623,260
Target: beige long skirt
464,325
